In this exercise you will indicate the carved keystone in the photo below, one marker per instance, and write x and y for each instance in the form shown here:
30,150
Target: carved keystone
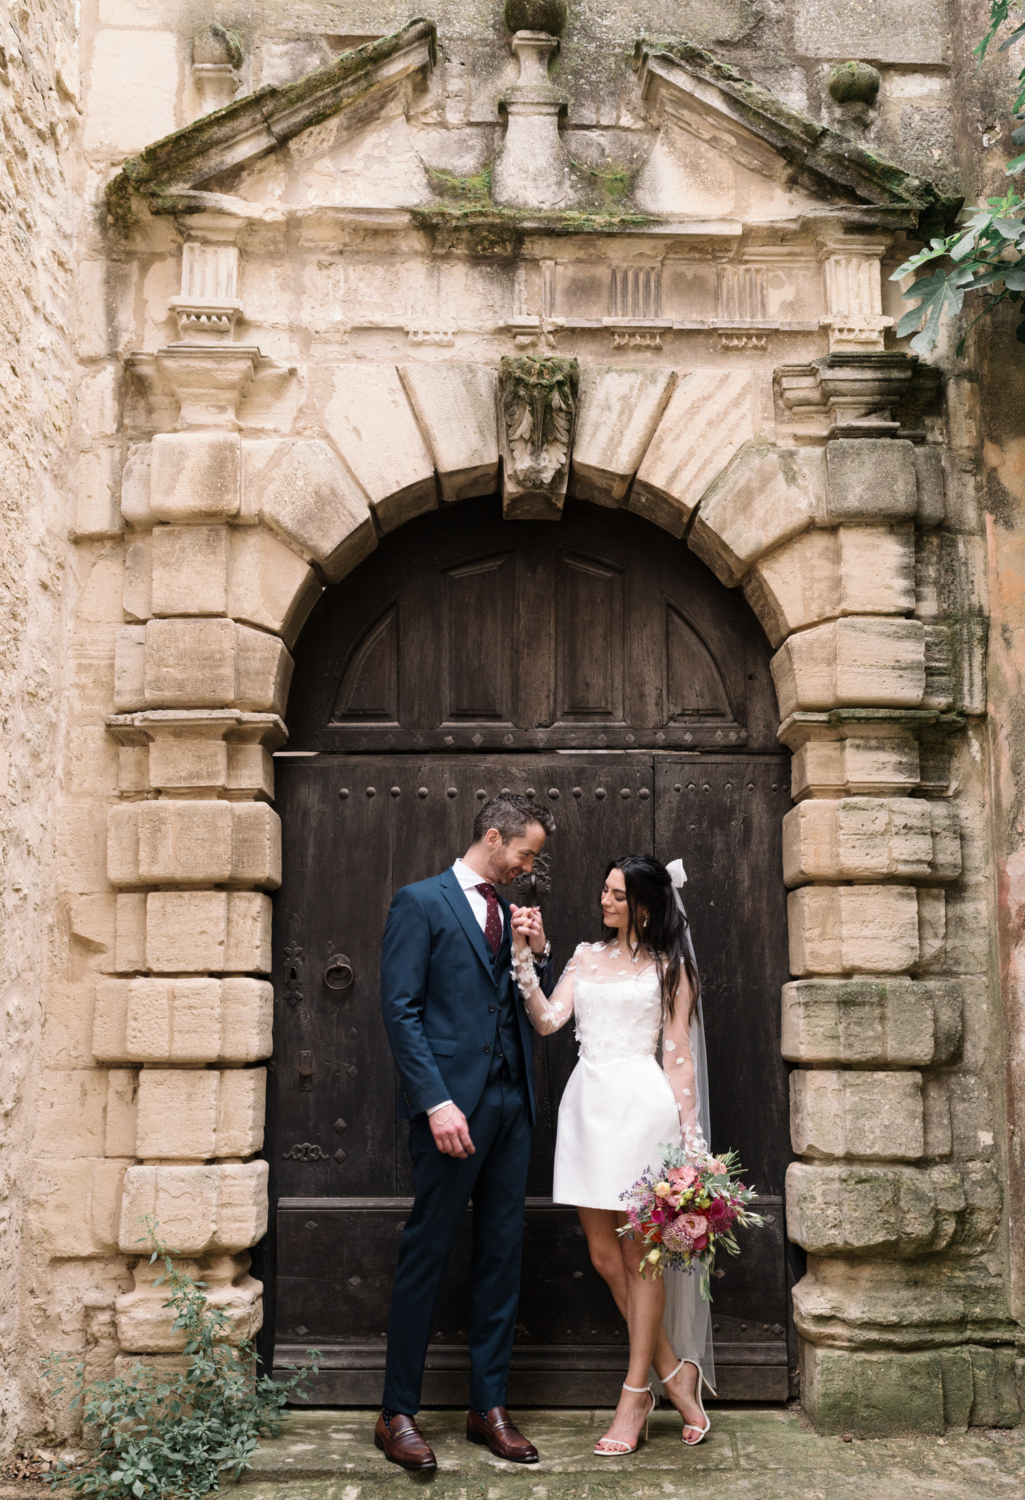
537,401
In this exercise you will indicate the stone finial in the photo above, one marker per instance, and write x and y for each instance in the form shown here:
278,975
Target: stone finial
532,170
537,413
216,57
537,15
854,83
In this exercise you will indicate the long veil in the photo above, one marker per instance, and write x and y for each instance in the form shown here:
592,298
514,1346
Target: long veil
688,1318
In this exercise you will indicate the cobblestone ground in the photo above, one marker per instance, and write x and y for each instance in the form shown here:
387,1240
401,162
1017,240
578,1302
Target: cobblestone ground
751,1453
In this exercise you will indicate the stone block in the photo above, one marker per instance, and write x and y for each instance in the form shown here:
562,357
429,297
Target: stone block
130,668
200,1209
137,596
199,1113
144,1324
936,1117
708,418
190,570
871,479
195,477
97,503
932,929
872,1394
248,945
878,1211
854,662
71,1116
980,1388
214,663
241,1105
130,945
819,575
190,663
871,765
135,487
844,929
766,495
75,1207
904,32
617,413
856,1114
120,1128
268,584
183,1021
204,931
871,838
263,671
206,842
81,865
455,405
308,496
369,419
881,1022
932,502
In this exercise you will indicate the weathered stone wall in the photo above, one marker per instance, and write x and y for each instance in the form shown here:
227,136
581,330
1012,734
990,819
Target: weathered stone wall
39,121
334,377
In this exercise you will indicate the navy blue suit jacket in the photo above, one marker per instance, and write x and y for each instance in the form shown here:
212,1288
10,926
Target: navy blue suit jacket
438,988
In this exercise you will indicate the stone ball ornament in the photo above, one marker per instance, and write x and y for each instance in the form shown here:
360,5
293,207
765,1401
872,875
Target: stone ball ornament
854,83
537,15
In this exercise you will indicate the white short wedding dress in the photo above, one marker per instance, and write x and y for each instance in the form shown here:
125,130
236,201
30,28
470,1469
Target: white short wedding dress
620,1105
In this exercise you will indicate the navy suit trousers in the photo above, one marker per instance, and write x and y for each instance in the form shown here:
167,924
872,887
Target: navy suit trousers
495,1178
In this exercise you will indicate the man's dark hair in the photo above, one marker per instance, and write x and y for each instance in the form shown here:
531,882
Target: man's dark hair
510,814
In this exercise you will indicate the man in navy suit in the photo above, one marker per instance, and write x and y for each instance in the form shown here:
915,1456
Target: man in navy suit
462,1042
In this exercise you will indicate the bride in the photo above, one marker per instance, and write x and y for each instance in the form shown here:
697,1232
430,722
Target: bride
639,984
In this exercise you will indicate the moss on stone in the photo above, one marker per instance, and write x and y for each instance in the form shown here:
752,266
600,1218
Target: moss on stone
825,153
165,170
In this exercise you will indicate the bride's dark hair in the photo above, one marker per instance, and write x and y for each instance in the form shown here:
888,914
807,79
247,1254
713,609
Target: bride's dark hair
649,889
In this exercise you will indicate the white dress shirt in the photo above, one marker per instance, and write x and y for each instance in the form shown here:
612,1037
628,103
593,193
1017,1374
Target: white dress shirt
468,879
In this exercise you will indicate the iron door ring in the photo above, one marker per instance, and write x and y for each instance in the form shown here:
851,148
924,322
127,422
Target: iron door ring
339,964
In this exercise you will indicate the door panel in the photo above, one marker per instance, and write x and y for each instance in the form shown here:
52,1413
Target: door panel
723,816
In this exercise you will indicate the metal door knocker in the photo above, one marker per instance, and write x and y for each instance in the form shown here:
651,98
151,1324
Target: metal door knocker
338,975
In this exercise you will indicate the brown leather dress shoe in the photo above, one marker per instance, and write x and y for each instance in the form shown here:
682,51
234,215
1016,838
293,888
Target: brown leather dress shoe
498,1432
402,1442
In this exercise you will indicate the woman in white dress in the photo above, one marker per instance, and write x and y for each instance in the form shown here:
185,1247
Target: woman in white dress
637,986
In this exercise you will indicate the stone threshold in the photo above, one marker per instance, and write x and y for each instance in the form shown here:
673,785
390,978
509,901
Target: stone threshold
756,1453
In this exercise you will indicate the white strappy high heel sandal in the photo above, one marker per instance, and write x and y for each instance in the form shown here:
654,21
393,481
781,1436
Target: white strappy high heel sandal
617,1447
702,1432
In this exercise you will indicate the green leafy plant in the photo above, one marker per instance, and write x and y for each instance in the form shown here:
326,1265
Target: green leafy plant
988,250
174,1434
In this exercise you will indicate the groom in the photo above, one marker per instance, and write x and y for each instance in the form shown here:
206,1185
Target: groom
462,1042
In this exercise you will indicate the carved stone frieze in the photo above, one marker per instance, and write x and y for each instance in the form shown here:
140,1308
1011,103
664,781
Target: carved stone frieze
537,413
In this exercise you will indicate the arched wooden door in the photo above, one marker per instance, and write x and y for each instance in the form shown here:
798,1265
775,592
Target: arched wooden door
597,665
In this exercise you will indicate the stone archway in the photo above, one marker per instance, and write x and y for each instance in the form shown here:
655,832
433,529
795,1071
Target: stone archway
233,540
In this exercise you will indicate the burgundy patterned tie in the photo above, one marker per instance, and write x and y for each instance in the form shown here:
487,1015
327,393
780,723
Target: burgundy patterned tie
493,925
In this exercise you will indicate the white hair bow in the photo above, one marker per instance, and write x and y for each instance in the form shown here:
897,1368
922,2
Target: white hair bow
678,875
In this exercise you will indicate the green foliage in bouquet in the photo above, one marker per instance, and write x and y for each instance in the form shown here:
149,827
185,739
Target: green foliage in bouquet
174,1435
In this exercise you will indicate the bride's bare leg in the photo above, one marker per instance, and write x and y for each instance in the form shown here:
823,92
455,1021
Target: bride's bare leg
606,1251
645,1304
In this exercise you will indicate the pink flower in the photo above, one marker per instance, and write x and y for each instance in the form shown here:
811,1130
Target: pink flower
675,1237
694,1224
683,1177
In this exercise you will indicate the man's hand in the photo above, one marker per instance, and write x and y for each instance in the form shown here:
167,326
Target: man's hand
527,921
451,1136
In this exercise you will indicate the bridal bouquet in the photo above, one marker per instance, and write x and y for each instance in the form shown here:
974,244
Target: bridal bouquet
687,1209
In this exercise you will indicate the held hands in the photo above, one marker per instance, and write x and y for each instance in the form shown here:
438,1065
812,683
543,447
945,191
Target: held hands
450,1132
528,927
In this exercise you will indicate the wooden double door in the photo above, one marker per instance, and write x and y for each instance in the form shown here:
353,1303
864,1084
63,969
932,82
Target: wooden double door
364,814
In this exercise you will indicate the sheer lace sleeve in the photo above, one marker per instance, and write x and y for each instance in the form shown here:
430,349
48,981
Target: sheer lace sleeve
678,1064
547,1014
